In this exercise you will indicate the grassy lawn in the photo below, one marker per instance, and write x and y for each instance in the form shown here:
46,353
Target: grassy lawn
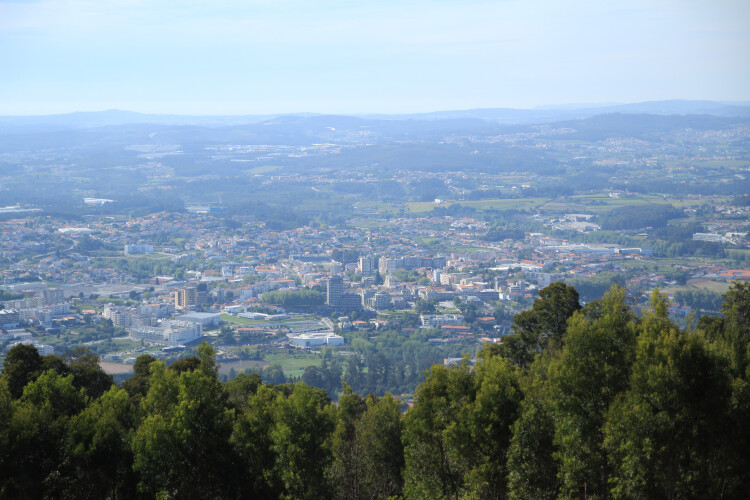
231,318
503,204
122,345
240,366
489,204
424,206
294,363
715,286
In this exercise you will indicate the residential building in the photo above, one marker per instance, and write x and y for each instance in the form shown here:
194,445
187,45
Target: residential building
316,339
367,265
185,298
334,290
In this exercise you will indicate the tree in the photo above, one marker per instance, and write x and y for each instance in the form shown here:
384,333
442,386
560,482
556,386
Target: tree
422,306
481,438
532,469
543,326
253,442
188,364
34,460
226,337
545,323
667,435
303,422
345,474
99,448
592,368
273,374
367,448
182,448
87,374
378,433
736,310
138,384
431,469
240,388
22,365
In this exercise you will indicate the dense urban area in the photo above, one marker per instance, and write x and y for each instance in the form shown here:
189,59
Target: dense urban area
342,238
370,255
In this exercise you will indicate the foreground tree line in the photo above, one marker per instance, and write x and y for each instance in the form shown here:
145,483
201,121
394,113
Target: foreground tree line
579,402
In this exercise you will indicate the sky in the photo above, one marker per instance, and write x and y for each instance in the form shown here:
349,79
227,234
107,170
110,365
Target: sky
362,56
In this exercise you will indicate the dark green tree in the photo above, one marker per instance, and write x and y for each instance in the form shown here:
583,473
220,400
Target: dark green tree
35,458
543,326
666,435
367,448
481,437
23,364
432,470
182,447
532,468
99,453
304,420
253,442
590,371
138,384
87,374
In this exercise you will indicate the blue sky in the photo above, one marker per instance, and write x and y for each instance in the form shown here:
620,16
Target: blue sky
274,56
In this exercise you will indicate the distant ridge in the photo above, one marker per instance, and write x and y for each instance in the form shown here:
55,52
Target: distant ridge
570,112
504,116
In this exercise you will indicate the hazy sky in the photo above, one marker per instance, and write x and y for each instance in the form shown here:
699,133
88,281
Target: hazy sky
271,56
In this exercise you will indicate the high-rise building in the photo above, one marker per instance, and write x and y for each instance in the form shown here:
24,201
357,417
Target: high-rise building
185,298
53,296
334,290
381,300
337,267
367,265
410,262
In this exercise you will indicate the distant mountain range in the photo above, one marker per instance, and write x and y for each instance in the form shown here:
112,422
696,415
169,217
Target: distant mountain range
504,116
571,112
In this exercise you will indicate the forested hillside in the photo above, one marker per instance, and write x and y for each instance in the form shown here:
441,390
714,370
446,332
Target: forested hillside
589,402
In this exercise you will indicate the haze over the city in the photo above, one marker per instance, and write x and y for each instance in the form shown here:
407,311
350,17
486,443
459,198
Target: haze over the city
258,57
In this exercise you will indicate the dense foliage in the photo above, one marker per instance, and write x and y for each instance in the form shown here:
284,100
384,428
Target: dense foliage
640,216
589,402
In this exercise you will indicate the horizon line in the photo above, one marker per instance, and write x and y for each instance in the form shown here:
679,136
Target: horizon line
572,106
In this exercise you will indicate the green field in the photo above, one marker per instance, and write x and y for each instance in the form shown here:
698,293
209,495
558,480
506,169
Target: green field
240,365
489,204
295,363
581,203
231,318
263,169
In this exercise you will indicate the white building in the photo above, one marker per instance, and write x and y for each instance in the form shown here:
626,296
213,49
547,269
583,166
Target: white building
713,237
206,320
119,315
181,332
336,267
316,339
43,349
174,332
438,320
139,249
